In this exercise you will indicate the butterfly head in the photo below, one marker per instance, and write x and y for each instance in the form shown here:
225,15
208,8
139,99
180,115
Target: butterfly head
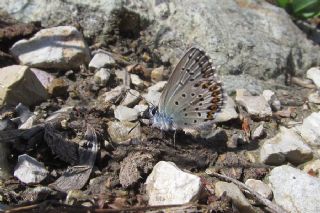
160,120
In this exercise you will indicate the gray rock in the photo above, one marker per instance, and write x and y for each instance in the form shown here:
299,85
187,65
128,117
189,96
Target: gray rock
123,113
44,77
4,163
101,77
309,129
228,111
272,99
258,132
260,187
314,98
58,47
314,75
233,82
101,60
256,106
122,131
313,168
141,108
167,184
131,98
20,85
113,94
232,191
28,170
136,81
286,145
295,190
158,86
152,97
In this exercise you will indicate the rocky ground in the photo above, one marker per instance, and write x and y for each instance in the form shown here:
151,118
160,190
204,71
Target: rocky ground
75,94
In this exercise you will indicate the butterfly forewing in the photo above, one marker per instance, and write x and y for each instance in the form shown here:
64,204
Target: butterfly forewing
193,94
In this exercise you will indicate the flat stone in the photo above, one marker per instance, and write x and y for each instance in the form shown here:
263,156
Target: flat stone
122,131
256,106
233,192
167,184
101,60
141,108
158,86
123,113
260,187
44,77
314,98
113,94
314,74
18,84
309,129
157,74
131,98
295,190
285,146
228,111
136,81
313,168
102,76
28,170
258,132
153,97
60,47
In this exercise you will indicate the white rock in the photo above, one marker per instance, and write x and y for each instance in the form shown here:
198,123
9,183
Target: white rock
123,113
314,98
167,184
256,106
20,85
44,77
141,108
260,187
272,99
314,74
153,97
113,94
158,86
131,98
313,167
123,75
232,191
258,132
29,170
101,60
60,47
295,190
286,145
122,131
228,111
310,127
136,81
102,76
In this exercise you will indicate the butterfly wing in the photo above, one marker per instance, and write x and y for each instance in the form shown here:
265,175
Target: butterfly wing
193,94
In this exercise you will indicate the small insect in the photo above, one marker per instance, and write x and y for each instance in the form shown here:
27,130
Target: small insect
192,96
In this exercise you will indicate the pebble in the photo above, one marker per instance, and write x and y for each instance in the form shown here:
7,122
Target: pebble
272,99
28,170
157,74
285,146
228,111
141,108
58,87
233,192
314,98
169,185
113,94
101,60
122,131
309,129
102,76
314,74
136,81
131,98
295,190
123,113
260,187
158,87
39,193
259,132
313,168
60,47
44,77
153,97
17,79
256,106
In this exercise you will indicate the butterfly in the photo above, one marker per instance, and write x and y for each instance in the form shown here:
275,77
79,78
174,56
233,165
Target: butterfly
192,96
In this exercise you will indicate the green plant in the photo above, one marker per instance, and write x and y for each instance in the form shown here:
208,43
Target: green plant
301,8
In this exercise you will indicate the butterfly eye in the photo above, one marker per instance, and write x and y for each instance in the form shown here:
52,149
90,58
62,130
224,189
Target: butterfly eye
153,111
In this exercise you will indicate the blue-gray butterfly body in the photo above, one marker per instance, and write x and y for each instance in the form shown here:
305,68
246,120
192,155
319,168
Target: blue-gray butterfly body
192,96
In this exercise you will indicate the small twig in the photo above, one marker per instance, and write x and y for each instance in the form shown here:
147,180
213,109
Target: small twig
272,206
303,82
